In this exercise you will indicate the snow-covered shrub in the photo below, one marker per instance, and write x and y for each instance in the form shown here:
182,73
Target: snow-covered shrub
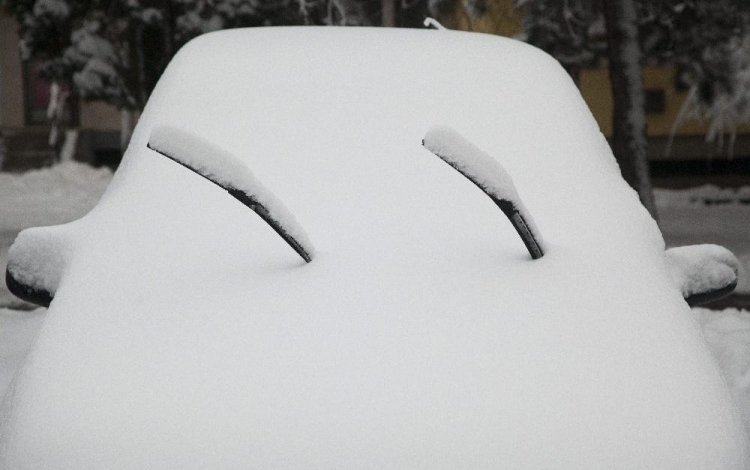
439,7
720,93
475,8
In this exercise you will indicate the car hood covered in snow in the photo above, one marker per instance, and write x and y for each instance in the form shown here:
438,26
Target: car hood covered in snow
185,333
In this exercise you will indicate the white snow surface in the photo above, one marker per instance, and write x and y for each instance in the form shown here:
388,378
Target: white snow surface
728,335
17,332
184,335
229,171
703,268
49,196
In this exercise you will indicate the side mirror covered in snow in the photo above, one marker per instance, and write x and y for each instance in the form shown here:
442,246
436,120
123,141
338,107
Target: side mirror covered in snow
35,264
703,273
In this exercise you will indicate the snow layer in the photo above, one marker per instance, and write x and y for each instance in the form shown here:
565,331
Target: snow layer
457,151
184,336
50,196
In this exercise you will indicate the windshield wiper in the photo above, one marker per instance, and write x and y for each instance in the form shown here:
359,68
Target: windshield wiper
230,173
489,176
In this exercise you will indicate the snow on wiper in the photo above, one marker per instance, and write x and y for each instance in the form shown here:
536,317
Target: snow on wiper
230,173
489,176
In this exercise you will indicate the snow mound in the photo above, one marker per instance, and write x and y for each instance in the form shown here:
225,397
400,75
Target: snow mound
50,196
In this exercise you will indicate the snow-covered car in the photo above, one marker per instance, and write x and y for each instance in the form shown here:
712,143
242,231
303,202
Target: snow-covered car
378,310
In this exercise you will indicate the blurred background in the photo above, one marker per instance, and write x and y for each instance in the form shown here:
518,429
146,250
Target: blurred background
75,74
668,82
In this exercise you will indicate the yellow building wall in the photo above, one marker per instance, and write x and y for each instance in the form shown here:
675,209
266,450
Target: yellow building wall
501,18
595,88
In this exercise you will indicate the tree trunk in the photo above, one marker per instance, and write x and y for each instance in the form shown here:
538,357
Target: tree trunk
2,150
142,89
167,34
388,9
628,115
69,146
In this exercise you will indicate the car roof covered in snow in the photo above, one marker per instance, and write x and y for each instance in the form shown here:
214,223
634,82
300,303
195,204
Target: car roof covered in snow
185,333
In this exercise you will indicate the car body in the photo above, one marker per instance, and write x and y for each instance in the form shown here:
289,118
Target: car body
184,332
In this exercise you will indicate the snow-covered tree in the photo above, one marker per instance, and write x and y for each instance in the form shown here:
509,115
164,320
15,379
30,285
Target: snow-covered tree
115,50
43,26
705,39
693,34
714,59
721,93
571,31
581,33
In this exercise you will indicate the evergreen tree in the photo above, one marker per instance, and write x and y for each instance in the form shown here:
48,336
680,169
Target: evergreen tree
571,31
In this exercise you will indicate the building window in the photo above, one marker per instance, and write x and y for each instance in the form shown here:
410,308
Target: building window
37,96
656,101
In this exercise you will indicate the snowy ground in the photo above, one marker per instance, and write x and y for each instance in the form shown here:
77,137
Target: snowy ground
728,335
45,197
67,191
709,215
